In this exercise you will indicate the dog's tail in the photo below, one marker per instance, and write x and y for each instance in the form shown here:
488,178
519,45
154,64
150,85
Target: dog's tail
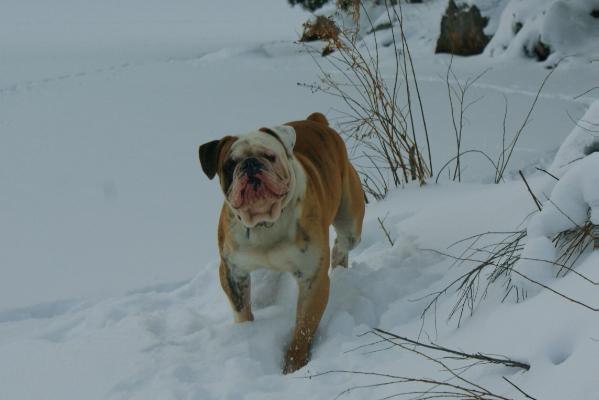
318,117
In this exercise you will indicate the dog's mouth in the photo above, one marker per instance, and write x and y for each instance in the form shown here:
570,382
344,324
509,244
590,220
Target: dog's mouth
258,190
256,193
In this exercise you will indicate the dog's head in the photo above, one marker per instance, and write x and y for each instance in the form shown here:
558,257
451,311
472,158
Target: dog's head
255,171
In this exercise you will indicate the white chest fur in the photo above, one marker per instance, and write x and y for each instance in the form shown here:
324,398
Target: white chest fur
274,248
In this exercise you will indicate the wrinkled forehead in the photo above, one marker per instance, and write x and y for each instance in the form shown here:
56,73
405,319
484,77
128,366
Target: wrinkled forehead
256,141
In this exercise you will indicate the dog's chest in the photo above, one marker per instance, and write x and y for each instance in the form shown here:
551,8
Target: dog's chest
276,250
283,257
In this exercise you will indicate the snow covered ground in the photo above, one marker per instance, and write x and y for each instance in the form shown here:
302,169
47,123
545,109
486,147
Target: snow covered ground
109,286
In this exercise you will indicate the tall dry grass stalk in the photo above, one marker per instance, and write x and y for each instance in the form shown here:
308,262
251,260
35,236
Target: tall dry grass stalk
384,119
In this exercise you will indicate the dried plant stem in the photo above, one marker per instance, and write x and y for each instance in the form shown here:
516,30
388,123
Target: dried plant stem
507,152
379,122
534,198
451,384
477,356
385,231
518,389
548,173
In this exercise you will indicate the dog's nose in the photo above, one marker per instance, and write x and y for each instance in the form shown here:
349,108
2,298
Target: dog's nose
251,166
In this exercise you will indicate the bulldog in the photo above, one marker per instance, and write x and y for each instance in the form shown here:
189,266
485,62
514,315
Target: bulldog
283,187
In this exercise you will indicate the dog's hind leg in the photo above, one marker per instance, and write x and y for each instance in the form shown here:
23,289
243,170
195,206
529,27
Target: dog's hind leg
348,221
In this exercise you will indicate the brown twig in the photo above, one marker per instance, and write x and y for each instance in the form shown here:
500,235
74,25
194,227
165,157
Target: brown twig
510,270
505,158
548,173
537,202
387,235
452,383
518,389
477,356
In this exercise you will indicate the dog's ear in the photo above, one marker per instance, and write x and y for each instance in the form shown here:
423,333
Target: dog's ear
208,153
285,134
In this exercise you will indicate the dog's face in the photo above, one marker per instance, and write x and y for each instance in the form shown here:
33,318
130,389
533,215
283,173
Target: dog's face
255,172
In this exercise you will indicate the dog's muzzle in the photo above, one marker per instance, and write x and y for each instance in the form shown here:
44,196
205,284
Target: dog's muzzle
251,166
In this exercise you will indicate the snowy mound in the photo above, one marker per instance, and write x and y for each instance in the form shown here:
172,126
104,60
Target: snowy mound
545,28
583,140
573,202
575,197
575,194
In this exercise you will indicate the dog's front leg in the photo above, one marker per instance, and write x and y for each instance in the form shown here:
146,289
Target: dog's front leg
311,302
237,286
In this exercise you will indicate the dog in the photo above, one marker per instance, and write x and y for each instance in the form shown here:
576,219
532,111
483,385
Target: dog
283,187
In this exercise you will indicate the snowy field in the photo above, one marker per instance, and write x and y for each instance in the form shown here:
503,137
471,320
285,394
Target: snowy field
108,261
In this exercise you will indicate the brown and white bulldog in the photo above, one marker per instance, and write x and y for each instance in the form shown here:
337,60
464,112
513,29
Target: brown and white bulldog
284,186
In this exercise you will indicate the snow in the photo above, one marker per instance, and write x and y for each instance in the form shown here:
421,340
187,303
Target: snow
104,181
108,258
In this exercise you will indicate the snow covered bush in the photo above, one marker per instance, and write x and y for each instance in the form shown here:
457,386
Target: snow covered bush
556,241
547,29
566,221
561,233
582,141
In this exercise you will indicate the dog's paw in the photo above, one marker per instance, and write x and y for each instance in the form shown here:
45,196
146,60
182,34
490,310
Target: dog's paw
294,360
339,258
243,316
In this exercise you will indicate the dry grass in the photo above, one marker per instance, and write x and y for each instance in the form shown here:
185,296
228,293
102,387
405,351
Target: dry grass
385,119
494,264
450,366
322,28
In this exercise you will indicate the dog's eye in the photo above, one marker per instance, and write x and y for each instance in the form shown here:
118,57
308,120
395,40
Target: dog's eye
270,157
229,166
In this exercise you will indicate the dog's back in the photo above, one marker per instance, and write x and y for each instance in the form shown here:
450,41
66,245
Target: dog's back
322,153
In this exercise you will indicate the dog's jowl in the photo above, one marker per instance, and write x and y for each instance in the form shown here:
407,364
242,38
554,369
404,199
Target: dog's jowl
284,186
